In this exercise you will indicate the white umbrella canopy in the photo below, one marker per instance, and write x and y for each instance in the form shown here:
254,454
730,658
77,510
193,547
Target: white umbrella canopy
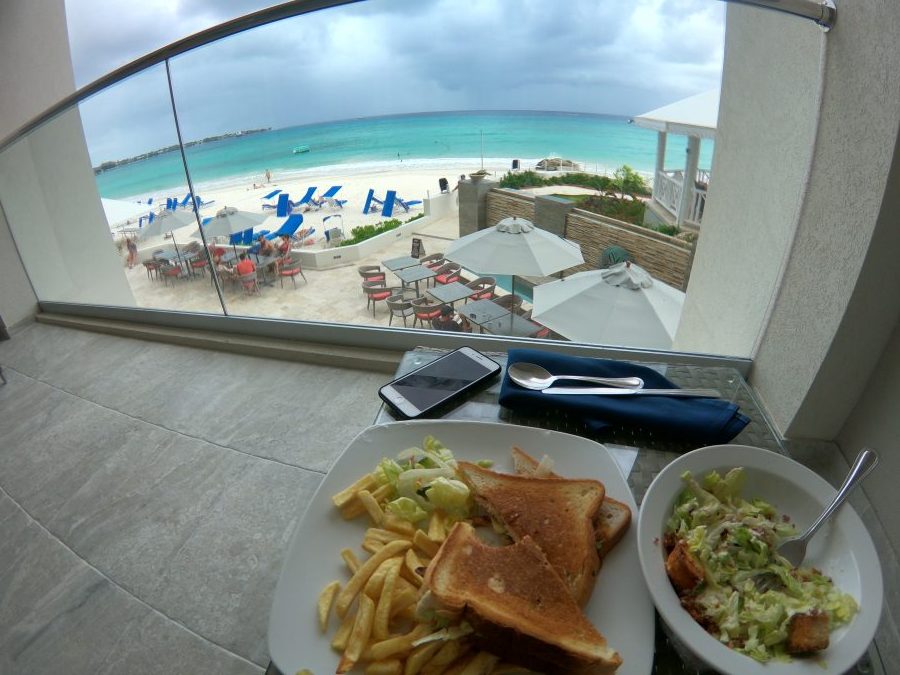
166,221
229,220
586,307
119,212
514,246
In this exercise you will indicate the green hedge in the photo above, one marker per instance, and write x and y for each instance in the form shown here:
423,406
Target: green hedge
364,232
625,180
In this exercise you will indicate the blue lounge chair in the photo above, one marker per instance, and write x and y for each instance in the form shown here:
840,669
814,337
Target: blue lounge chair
372,202
184,202
331,192
305,199
387,209
284,205
271,194
327,197
200,203
283,195
288,227
406,206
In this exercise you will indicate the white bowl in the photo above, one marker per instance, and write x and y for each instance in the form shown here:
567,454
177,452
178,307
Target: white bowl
842,549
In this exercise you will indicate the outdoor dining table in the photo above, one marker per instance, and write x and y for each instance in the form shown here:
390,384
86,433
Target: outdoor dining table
394,264
642,453
481,312
410,275
450,293
511,324
182,258
263,263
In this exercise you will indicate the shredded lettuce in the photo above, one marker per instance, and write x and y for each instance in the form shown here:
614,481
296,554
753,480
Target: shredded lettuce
734,540
407,509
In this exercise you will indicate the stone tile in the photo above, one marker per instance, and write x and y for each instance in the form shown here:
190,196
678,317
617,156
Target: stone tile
58,614
158,645
140,506
220,583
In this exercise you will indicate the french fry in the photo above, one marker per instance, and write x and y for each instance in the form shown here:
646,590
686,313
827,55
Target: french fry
371,505
436,528
361,576
352,509
447,654
383,492
380,629
398,525
386,535
376,581
350,559
339,641
397,646
343,497
424,544
359,636
326,598
481,664
389,667
419,657
412,565
403,599
372,546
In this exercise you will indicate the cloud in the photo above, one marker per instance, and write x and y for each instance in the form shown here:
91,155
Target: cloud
385,57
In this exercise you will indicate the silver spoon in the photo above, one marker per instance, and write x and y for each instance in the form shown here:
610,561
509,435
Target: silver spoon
794,548
533,376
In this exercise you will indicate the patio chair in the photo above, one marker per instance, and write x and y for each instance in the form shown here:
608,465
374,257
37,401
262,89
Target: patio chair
544,332
376,291
484,288
290,267
400,306
152,267
371,273
433,261
425,311
511,302
172,272
447,273
199,265
249,282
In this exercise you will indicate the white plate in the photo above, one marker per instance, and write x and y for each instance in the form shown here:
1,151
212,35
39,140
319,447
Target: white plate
842,549
620,607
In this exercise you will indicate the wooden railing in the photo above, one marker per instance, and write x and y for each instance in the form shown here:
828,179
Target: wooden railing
667,190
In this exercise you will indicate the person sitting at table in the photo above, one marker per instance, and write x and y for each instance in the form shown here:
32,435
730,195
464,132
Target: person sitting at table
265,246
285,246
451,321
245,265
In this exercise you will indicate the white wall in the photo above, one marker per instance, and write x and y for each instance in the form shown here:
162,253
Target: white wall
35,72
764,140
47,189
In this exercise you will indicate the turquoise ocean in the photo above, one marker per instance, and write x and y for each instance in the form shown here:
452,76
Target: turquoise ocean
600,142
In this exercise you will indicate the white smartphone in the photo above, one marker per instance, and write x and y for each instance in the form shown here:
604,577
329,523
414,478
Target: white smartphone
436,384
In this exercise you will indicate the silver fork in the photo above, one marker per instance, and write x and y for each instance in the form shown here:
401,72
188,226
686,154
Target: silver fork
793,549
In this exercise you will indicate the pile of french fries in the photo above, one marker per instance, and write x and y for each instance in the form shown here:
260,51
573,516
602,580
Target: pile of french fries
376,607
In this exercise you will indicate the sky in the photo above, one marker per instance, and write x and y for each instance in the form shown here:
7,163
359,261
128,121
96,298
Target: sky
383,57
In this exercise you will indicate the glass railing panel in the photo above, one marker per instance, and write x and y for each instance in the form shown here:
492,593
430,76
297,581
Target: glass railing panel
140,176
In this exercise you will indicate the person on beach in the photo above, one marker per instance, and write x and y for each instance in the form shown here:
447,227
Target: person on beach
268,176
265,246
285,246
132,252
245,265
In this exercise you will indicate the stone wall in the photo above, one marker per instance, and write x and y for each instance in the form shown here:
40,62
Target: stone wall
665,258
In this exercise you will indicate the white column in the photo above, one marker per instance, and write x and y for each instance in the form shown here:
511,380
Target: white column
660,160
690,177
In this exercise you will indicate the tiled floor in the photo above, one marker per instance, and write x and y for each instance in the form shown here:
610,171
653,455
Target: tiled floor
147,492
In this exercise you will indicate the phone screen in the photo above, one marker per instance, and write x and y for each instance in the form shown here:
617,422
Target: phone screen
440,380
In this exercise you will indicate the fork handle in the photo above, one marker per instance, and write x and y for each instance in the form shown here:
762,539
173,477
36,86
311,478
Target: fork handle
865,462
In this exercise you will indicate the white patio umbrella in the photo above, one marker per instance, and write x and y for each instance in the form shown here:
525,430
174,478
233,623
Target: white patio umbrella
622,305
229,220
119,212
515,246
167,221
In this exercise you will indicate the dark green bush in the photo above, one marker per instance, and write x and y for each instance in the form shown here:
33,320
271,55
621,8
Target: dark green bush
364,232
671,230
629,210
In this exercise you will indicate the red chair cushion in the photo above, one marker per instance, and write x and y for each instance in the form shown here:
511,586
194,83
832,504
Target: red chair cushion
376,277
380,296
447,278
290,273
429,315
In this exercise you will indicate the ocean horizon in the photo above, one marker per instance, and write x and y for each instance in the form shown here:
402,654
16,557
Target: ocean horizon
600,143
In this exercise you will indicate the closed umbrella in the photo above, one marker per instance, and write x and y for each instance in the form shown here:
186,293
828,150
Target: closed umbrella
515,246
621,305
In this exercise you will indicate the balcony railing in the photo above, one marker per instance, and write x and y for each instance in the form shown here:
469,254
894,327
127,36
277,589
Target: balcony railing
667,193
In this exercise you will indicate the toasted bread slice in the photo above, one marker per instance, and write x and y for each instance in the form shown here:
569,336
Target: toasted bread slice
518,606
612,520
557,513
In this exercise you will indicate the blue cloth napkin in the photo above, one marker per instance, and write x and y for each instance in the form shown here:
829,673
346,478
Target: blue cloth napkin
705,421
